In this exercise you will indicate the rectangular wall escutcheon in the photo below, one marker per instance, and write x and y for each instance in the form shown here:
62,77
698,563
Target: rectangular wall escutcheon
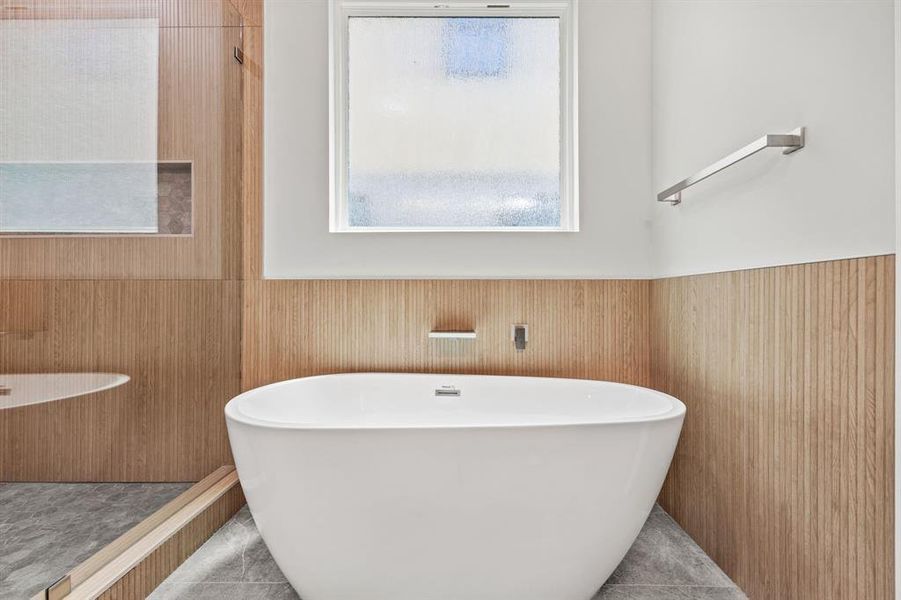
452,335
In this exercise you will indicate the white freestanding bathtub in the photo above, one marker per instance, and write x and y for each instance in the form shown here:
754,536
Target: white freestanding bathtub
393,487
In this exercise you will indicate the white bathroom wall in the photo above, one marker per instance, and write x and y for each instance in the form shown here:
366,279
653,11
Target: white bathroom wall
725,73
615,157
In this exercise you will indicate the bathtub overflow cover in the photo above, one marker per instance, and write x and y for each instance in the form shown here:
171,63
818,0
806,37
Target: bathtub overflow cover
447,390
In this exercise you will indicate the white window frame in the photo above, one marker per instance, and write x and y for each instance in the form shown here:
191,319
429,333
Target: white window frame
340,11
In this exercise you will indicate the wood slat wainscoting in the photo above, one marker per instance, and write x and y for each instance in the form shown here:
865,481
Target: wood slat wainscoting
179,341
784,472
577,328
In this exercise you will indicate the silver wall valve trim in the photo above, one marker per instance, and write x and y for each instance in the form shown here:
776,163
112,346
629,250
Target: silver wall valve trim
520,336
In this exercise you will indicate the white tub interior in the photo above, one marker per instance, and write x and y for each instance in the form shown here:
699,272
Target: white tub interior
367,400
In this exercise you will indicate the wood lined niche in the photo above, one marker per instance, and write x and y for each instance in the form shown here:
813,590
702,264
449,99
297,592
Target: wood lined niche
171,186
784,472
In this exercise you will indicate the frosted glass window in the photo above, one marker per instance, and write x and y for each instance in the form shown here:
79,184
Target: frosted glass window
452,123
79,128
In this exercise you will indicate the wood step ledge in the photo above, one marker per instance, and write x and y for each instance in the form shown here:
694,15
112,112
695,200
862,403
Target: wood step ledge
139,560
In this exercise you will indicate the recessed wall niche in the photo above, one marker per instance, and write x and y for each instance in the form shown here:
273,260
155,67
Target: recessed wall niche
96,198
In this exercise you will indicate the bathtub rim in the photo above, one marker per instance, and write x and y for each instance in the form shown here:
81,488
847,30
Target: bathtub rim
232,413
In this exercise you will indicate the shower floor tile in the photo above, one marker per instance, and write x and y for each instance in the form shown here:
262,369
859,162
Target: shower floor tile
663,564
46,529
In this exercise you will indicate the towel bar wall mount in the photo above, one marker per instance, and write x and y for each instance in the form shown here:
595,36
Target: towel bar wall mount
790,142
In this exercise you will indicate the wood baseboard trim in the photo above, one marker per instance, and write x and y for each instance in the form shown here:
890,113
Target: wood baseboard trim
134,564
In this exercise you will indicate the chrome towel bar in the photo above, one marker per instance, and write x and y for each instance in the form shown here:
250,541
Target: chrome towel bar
790,141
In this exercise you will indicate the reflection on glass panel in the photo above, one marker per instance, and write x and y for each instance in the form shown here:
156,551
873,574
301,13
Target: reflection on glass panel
79,122
453,122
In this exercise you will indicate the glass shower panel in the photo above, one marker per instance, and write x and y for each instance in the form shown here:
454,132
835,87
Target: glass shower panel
122,128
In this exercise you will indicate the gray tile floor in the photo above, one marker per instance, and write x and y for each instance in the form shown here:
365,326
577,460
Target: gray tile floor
663,564
48,528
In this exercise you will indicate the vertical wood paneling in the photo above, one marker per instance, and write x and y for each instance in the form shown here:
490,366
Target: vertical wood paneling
179,341
784,470
591,329
252,148
251,11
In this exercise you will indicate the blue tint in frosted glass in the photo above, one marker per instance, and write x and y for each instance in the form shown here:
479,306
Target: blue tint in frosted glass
475,47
